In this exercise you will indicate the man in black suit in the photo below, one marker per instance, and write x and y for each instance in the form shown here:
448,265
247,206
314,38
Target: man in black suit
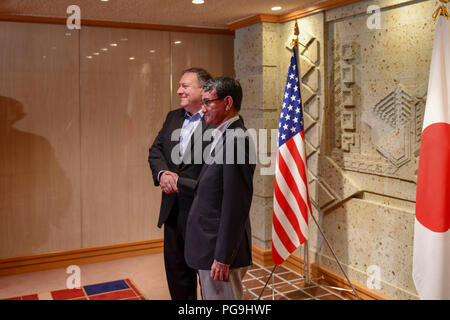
177,151
218,234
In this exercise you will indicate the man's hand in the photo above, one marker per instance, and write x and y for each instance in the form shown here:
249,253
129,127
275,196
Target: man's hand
168,182
219,271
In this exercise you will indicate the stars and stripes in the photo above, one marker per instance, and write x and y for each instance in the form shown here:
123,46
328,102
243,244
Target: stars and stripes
291,204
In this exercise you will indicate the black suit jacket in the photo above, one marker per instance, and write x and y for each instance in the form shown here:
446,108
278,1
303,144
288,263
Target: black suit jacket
160,158
218,225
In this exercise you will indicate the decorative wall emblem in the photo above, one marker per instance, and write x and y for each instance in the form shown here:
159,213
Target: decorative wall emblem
348,74
348,99
393,138
348,120
349,135
395,108
348,52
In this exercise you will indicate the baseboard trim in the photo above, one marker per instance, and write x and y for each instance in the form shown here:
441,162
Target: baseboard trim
261,256
330,278
63,259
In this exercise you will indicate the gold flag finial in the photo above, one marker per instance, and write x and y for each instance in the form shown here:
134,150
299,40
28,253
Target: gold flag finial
442,9
296,33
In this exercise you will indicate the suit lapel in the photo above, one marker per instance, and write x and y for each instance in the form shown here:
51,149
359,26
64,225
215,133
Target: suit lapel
222,142
175,129
196,137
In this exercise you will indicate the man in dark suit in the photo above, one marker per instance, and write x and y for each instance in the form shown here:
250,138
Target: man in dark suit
218,234
177,151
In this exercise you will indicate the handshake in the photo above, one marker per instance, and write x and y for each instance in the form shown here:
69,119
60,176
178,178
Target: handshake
168,182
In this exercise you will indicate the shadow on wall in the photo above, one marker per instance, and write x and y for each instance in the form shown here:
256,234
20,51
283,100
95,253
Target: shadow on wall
34,191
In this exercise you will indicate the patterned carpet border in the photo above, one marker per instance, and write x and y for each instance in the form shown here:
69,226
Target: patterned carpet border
112,290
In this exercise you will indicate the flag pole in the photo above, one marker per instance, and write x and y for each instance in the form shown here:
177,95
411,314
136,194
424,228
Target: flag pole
306,263
264,288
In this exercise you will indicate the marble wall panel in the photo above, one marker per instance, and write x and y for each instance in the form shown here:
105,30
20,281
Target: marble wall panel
367,232
248,47
257,69
381,67
261,221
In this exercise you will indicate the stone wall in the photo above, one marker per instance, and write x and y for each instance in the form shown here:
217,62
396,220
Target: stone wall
364,84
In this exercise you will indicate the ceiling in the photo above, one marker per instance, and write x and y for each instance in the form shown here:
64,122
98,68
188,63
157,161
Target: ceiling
213,13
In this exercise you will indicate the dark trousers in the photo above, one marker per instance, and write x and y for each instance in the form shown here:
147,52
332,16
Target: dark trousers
182,280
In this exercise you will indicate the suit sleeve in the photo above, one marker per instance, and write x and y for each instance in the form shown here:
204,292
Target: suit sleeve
236,202
156,158
186,186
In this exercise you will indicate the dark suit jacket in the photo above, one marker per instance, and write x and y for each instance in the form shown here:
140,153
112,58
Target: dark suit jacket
160,158
218,225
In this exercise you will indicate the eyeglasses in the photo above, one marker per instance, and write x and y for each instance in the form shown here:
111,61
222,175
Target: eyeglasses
207,102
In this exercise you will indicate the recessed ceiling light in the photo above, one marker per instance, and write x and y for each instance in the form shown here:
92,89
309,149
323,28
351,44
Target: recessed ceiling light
104,0
177,42
276,8
89,57
198,1
104,49
124,39
113,44
131,58
152,51
96,53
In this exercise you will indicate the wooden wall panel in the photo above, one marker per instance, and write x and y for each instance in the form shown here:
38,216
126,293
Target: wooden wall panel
78,112
39,139
124,102
213,52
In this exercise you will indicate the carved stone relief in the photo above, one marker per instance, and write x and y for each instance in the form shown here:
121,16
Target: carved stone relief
310,75
393,122
349,134
396,122
376,89
395,111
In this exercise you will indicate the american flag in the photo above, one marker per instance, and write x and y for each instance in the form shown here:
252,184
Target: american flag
291,204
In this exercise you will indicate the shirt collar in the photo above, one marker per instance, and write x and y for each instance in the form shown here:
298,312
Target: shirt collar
194,117
224,125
